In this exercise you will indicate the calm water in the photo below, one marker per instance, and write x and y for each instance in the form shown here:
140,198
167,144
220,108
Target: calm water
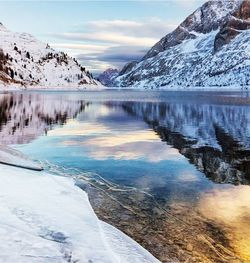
171,169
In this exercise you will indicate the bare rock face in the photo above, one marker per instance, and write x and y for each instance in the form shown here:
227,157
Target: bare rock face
236,23
127,67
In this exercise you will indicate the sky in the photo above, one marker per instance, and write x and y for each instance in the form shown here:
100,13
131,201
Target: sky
100,34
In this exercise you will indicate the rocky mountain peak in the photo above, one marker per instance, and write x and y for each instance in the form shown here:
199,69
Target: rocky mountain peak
205,19
234,25
210,48
2,27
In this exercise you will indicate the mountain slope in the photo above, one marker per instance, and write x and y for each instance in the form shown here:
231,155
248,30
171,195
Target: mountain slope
25,61
210,48
106,77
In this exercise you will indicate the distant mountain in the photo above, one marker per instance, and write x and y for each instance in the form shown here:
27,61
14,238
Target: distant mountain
27,62
107,77
210,48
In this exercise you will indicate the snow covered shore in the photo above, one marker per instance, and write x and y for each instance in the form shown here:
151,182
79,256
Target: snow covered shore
140,87
17,87
46,218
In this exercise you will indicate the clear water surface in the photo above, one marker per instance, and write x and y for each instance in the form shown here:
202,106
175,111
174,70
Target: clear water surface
171,169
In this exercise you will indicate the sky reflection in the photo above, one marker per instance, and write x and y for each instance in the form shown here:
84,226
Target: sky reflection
104,140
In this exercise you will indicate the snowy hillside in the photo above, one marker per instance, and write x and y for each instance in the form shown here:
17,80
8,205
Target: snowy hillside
25,61
210,48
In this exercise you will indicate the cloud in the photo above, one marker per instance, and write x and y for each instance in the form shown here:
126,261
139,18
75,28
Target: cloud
82,47
108,37
153,27
115,56
100,44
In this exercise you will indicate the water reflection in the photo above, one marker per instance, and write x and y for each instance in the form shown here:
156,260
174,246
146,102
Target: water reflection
24,117
230,208
154,163
216,138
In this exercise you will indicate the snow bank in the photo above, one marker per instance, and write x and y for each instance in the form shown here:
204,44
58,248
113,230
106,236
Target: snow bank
46,218
11,157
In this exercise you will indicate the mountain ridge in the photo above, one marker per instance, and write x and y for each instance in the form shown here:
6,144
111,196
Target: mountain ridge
28,62
209,48
107,76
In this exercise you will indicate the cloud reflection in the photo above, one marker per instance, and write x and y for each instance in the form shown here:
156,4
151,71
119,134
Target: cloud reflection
129,146
103,139
130,149
74,128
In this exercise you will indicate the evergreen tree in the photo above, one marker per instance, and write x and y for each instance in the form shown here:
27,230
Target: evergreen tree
28,55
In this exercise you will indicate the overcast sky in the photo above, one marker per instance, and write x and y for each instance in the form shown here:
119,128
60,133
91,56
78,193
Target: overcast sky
100,34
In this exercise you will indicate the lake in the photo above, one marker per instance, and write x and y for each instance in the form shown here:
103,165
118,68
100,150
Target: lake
170,169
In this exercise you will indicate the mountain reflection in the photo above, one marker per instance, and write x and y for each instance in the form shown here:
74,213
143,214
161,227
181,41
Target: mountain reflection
24,117
216,138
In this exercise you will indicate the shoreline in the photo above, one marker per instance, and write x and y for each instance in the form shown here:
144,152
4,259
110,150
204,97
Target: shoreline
14,87
52,219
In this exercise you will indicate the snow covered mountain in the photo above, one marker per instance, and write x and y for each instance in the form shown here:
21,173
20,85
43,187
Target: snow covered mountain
210,48
26,61
107,77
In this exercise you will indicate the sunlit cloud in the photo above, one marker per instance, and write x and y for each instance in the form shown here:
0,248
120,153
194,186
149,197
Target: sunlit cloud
153,27
108,37
83,48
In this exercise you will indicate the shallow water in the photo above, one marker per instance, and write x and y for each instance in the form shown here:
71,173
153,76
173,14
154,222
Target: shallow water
171,169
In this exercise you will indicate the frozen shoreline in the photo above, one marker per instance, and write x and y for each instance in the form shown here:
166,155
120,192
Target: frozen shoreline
47,218
16,87
6,88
